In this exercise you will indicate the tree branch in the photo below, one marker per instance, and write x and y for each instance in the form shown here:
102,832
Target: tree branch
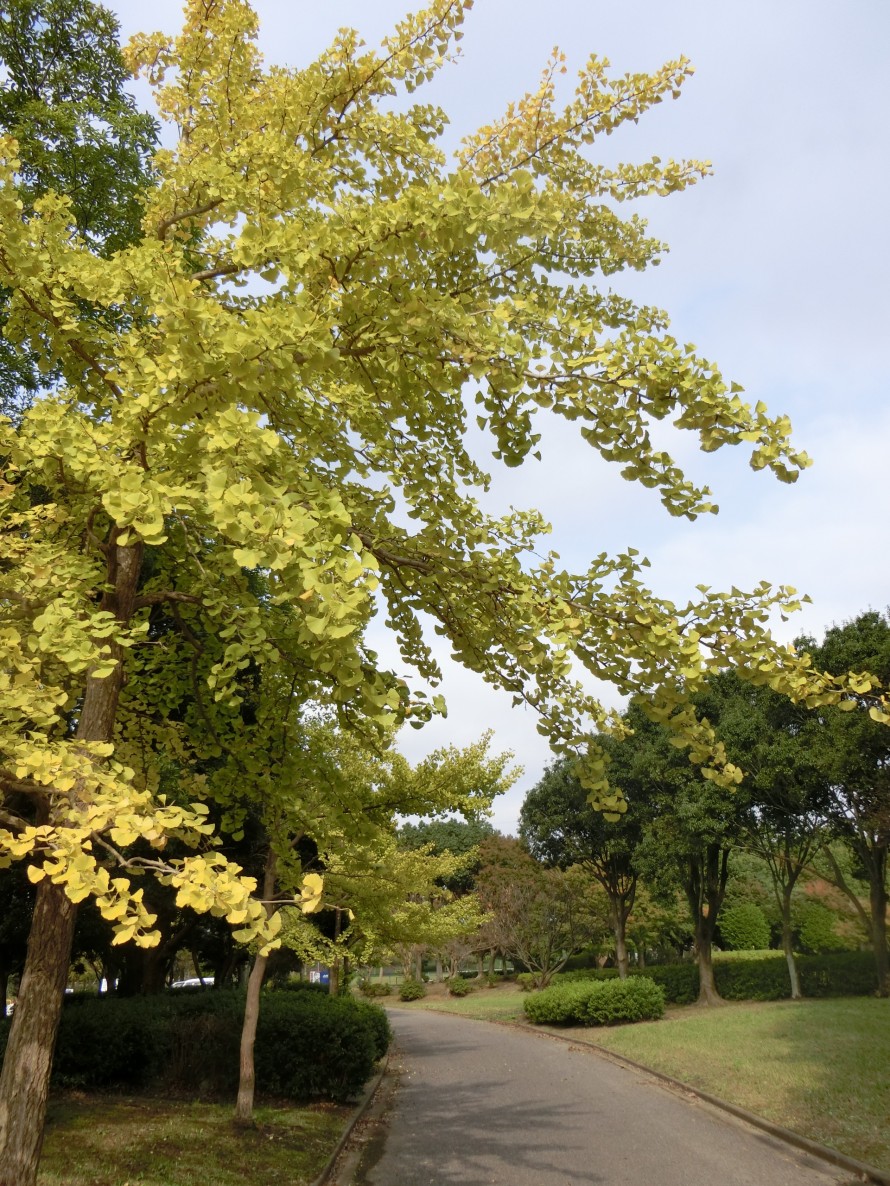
166,223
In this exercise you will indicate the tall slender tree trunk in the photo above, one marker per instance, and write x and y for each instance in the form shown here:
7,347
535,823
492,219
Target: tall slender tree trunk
878,902
619,929
788,946
27,1065
247,1066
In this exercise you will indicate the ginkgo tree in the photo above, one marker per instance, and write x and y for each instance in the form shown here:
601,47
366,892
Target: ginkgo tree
275,379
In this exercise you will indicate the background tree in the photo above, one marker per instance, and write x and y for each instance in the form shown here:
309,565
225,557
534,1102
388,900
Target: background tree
560,827
539,916
777,743
854,748
692,826
79,133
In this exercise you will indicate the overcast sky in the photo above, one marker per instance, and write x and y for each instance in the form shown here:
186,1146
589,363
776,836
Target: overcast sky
779,270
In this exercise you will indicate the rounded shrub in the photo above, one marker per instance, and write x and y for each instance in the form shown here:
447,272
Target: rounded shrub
374,988
412,990
459,986
597,1002
744,927
818,929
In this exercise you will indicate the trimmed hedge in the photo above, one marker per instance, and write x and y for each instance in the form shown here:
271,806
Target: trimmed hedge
597,1002
840,974
308,1044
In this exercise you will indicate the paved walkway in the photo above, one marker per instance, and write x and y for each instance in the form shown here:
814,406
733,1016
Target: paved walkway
478,1104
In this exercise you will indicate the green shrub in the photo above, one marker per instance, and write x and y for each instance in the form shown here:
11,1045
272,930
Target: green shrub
324,1047
744,927
308,1044
374,988
838,974
525,981
818,930
459,986
597,1002
679,982
636,999
577,975
379,1025
764,953
412,990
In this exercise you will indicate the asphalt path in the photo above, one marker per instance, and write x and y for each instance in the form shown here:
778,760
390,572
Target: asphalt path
477,1104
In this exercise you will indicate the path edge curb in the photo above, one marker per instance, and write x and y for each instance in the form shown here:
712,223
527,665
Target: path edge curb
868,1173
360,1109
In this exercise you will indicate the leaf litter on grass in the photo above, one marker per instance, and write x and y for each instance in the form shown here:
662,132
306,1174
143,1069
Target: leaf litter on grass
110,1140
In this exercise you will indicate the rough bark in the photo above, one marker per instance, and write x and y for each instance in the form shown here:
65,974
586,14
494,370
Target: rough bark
246,1067
878,901
705,886
247,1072
788,946
24,1082
619,909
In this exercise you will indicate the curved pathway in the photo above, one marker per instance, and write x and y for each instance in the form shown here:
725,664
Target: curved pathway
477,1104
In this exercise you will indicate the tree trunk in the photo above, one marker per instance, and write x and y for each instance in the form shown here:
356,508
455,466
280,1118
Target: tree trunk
788,947
878,901
246,1069
440,971
24,1081
619,922
334,969
246,1066
707,986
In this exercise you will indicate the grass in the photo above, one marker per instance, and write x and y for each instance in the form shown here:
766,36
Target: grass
486,1004
142,1141
817,1067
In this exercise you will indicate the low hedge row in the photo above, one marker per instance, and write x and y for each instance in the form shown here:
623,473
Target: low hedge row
597,1002
307,1045
849,973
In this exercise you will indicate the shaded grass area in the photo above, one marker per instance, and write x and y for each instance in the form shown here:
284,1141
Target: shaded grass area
124,1141
817,1067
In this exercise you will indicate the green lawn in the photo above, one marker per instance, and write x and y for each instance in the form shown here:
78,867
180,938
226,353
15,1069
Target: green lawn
817,1067
488,1004
134,1141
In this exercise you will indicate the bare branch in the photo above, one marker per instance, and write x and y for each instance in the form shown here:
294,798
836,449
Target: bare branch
166,223
166,595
